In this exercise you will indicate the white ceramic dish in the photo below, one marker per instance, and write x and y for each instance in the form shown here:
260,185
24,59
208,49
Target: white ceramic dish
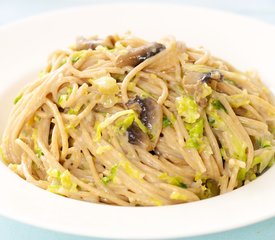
24,47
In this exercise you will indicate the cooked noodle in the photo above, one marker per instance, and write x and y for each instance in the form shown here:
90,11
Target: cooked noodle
128,122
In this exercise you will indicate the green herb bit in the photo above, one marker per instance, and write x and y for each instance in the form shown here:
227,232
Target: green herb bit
18,98
182,185
64,61
124,124
78,55
62,99
263,143
211,120
173,180
111,176
218,105
69,90
75,59
39,153
72,111
242,174
166,122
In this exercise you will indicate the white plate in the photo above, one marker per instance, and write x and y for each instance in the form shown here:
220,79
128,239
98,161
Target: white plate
24,47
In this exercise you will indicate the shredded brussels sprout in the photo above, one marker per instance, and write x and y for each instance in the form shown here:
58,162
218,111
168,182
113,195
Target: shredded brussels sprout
218,105
238,100
109,178
187,108
60,181
195,139
177,181
130,170
264,159
166,122
125,123
206,90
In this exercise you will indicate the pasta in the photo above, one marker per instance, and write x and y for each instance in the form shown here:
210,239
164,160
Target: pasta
129,122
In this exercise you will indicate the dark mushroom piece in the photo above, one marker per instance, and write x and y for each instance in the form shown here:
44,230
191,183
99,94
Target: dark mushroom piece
197,77
136,56
212,75
137,137
85,44
212,78
192,83
150,114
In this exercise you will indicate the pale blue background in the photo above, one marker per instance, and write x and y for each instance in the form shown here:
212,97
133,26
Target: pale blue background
11,10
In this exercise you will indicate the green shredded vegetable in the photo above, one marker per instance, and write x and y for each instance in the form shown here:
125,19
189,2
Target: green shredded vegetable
69,90
38,152
75,59
263,143
77,56
60,181
64,97
125,123
195,131
130,170
177,181
18,98
63,62
187,108
166,122
206,90
200,177
72,111
239,148
241,174
264,159
111,176
214,119
98,129
238,100
218,105
54,173
140,124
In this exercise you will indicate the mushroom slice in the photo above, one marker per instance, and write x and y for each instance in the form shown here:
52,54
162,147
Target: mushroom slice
85,44
192,77
137,137
150,114
136,56
200,84
212,75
